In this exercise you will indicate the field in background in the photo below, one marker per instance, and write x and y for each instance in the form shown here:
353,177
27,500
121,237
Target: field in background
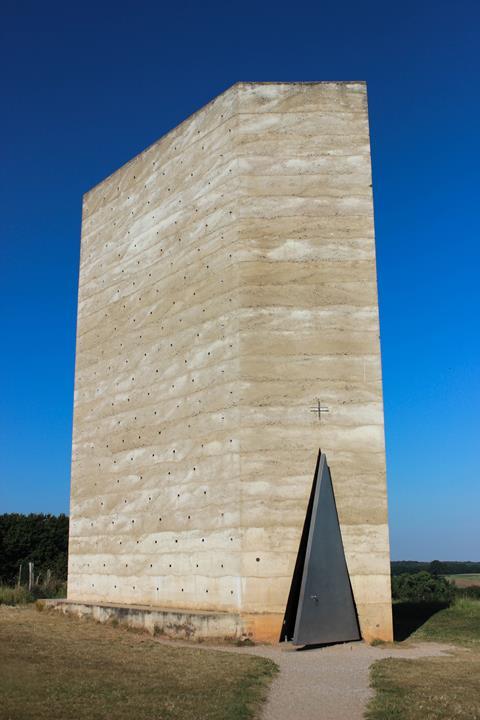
440,688
465,579
53,666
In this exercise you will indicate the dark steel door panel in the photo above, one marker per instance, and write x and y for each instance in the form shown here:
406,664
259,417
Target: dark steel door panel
321,607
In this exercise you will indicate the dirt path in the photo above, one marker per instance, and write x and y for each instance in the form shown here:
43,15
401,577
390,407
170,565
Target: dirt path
329,683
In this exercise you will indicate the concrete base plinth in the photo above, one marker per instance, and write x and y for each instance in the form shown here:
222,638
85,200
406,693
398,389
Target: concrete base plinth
176,622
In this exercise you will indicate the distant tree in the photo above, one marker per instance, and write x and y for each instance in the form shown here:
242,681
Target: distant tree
437,568
408,566
422,587
448,567
41,539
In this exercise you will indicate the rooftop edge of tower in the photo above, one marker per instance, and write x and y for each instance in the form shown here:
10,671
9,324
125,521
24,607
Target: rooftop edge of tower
230,89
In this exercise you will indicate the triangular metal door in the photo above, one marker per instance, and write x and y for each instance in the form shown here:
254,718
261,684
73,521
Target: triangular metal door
321,608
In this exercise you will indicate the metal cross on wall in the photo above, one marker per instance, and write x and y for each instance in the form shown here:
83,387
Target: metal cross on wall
319,409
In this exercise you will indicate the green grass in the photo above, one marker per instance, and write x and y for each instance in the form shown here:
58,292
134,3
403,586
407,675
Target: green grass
14,595
21,595
441,688
54,666
409,616
458,624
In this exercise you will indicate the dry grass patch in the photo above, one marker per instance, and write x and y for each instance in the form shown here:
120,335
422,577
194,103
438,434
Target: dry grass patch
445,688
54,666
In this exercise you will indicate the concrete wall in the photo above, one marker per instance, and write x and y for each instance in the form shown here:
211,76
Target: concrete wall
309,330
155,474
228,281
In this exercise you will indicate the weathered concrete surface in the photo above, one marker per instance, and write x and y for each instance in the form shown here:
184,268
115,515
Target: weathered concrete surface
227,281
173,623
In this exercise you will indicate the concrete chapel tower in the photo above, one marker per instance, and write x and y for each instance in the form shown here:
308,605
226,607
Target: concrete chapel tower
227,289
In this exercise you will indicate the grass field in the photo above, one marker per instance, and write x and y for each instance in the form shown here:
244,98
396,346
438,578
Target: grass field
53,666
441,688
465,580
14,595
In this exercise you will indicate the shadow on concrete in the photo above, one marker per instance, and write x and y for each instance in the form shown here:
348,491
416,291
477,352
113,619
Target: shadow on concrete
408,617
319,646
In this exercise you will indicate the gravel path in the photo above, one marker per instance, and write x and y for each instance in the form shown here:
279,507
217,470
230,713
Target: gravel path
329,683
325,683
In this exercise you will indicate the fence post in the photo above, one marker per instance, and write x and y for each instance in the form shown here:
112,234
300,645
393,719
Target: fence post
30,575
19,575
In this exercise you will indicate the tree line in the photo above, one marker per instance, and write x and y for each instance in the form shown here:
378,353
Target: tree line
436,567
38,538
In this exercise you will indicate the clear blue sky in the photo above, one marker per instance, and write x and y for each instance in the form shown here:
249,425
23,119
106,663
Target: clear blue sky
86,86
